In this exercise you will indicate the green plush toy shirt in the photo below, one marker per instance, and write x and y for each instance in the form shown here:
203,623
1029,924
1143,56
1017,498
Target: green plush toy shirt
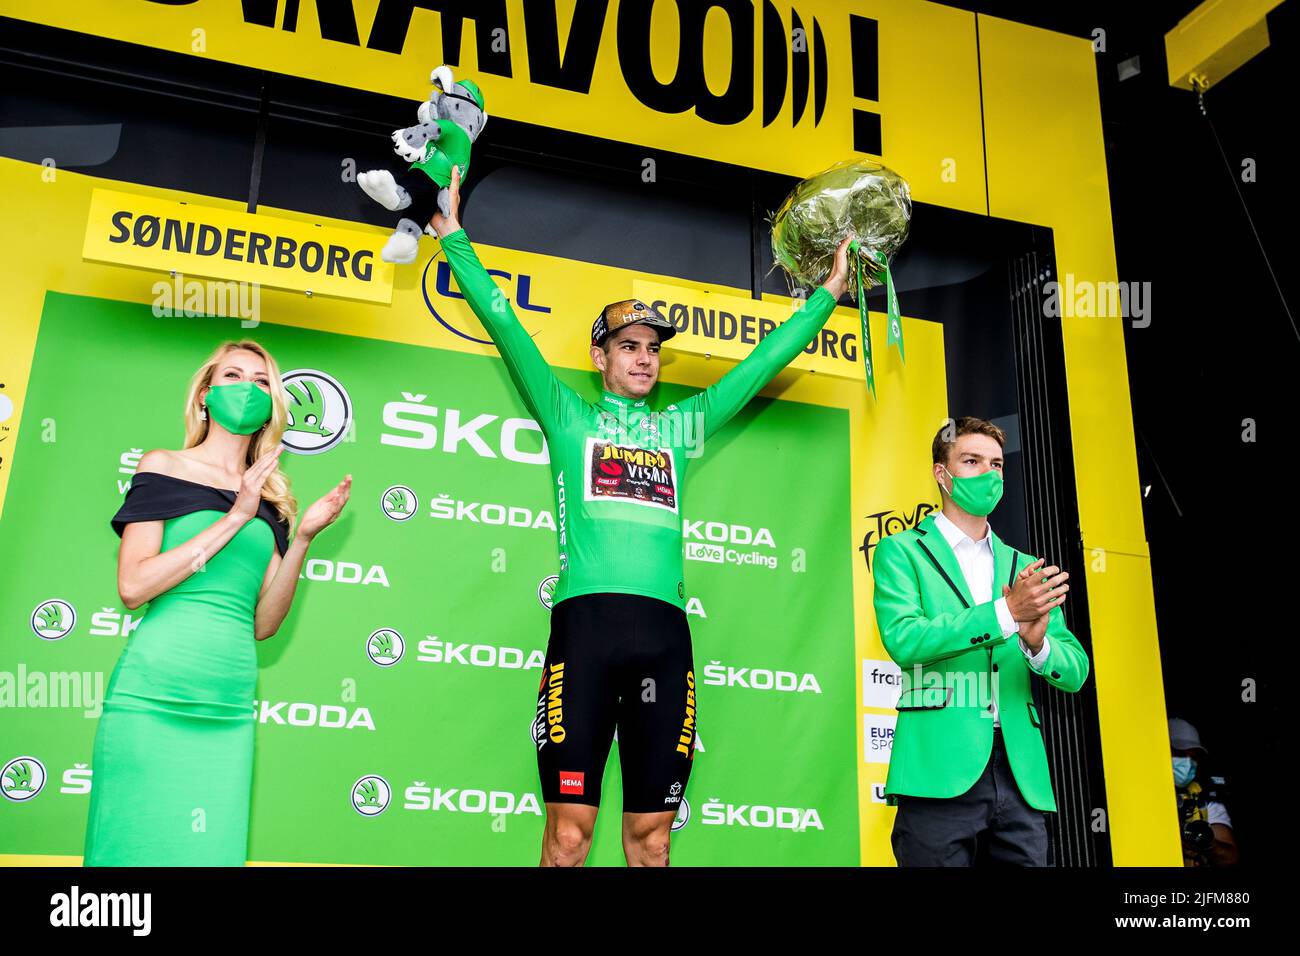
452,147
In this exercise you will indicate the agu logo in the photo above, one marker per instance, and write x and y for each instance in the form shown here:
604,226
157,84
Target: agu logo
370,795
385,647
320,411
22,778
53,619
399,502
572,781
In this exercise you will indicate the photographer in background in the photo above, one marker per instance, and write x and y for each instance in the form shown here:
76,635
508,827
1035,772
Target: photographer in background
1202,817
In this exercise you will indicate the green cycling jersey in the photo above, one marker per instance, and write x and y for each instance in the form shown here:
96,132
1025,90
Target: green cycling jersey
451,147
619,467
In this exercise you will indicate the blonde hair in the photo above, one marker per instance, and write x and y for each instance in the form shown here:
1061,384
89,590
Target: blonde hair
276,489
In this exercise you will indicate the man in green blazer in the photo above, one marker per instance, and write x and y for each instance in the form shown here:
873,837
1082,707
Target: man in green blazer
970,622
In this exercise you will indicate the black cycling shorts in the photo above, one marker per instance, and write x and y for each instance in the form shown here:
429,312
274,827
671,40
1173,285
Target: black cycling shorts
617,661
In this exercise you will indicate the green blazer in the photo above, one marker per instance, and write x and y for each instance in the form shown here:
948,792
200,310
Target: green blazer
954,661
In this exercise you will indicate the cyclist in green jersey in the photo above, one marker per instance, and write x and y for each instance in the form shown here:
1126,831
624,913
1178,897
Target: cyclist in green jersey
619,654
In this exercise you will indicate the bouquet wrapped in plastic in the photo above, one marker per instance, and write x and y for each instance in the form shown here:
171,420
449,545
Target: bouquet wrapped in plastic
855,196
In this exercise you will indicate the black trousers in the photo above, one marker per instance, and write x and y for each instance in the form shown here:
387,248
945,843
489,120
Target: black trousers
989,824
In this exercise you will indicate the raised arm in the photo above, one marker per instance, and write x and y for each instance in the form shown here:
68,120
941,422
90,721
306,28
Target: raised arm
720,402
547,398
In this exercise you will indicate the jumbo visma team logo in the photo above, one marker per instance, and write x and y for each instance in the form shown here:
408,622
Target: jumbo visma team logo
53,619
385,647
320,411
371,795
399,502
22,778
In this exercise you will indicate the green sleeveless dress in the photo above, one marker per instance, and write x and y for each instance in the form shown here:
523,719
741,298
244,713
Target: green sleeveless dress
173,756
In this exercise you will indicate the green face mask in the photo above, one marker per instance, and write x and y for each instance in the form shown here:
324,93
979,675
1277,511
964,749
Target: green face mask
241,408
977,495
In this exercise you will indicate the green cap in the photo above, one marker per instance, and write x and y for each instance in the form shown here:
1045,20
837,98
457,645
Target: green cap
473,91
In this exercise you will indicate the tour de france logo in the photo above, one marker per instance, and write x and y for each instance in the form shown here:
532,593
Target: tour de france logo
399,502
546,590
22,778
370,795
53,619
320,411
385,647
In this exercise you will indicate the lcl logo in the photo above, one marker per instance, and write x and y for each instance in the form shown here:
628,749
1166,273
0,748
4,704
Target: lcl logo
441,282
794,56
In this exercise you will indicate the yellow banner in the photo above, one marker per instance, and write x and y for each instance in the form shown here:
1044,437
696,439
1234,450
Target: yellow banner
712,324
152,233
789,88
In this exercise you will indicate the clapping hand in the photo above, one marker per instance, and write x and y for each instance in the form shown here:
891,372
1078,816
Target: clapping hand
325,509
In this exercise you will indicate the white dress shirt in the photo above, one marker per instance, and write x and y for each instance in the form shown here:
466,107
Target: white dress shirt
976,561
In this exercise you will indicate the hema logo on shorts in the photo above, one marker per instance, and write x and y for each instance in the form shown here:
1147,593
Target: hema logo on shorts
573,781
102,909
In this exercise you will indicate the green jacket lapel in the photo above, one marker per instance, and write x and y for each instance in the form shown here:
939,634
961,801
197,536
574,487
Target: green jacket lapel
940,556
1003,554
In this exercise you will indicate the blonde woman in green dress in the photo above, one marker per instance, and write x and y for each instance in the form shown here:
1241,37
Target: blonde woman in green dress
206,544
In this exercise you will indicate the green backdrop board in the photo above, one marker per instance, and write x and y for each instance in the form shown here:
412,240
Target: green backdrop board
407,671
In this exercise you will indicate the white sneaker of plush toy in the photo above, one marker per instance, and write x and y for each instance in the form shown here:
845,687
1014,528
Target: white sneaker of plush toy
400,248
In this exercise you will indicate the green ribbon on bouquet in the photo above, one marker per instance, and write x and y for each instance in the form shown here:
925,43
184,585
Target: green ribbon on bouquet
895,336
